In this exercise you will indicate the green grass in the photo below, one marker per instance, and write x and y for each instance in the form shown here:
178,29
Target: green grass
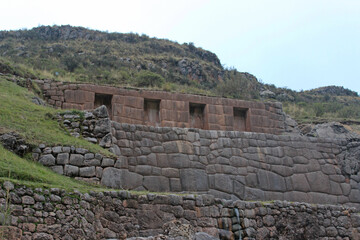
25,172
34,123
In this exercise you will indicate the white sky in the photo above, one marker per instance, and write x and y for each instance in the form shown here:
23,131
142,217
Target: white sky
300,44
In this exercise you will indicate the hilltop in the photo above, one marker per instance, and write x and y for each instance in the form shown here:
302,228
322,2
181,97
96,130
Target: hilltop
77,54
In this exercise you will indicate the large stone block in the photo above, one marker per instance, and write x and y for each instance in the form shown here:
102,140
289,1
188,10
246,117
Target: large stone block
62,158
76,159
102,127
71,171
47,160
79,96
178,160
156,183
87,171
194,180
300,183
223,183
121,178
271,181
319,182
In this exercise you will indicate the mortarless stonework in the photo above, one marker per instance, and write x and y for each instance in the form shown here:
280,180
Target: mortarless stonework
226,164
57,214
174,109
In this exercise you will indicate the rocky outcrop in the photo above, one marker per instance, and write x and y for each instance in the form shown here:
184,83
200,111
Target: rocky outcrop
334,91
57,214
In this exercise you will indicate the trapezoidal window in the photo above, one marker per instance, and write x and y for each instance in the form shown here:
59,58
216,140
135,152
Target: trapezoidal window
240,117
152,112
197,115
104,99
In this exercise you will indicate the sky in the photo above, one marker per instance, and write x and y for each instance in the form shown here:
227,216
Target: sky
298,44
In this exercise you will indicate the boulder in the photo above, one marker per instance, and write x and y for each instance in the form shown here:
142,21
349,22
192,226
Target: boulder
101,112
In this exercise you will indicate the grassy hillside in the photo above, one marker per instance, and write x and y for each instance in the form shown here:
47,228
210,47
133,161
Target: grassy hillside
78,54
33,122
25,172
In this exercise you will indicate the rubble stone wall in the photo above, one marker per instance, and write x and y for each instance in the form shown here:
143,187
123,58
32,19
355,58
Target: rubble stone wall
128,106
57,214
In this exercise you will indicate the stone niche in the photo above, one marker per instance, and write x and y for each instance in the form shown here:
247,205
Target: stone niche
241,122
197,115
104,99
152,112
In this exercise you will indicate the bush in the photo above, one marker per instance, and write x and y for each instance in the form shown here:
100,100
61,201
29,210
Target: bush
148,79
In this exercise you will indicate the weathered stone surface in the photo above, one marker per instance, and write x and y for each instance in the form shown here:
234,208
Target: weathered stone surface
300,183
62,158
87,171
194,180
76,159
71,171
47,160
121,178
156,183
101,112
102,127
107,162
58,169
318,182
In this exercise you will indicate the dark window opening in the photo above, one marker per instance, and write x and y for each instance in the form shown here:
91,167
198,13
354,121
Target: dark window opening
104,99
152,112
197,115
240,116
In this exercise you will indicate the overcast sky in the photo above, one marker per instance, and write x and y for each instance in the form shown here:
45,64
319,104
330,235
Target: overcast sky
299,44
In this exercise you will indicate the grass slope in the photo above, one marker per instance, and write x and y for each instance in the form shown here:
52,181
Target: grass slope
32,174
34,123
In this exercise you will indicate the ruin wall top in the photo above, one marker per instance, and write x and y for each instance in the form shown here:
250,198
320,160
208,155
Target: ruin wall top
167,109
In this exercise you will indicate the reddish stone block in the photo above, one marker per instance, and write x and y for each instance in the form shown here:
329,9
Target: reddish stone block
133,113
89,105
79,96
181,105
182,117
118,109
72,106
118,99
134,102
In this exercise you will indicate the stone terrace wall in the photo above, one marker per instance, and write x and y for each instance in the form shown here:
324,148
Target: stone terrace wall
127,106
56,214
233,165
227,164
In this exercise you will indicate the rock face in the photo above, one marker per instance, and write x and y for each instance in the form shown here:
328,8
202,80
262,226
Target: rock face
331,130
57,214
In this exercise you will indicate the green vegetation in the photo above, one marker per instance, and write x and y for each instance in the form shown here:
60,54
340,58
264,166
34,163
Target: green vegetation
149,79
78,54
32,174
34,123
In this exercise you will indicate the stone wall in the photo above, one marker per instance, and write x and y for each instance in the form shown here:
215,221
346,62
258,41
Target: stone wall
56,214
226,164
235,165
173,110
74,162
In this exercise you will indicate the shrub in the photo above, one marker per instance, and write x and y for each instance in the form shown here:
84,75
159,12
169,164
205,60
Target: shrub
148,79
